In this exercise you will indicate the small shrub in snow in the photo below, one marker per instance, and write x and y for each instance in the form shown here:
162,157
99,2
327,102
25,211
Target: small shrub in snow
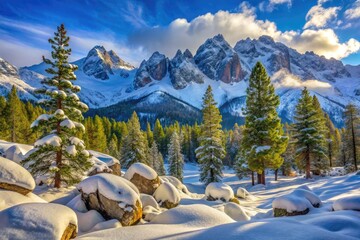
167,195
347,203
219,191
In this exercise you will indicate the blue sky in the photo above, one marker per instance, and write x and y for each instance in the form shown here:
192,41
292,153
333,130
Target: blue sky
135,29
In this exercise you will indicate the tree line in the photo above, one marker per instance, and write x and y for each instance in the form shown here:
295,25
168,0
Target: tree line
61,135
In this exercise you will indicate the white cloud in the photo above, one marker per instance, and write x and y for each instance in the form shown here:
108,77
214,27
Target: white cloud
182,34
271,5
283,79
318,16
354,11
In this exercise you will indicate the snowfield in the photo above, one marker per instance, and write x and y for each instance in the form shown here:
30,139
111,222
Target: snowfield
333,203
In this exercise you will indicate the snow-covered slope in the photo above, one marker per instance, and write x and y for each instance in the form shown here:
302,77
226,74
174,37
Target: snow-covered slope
107,80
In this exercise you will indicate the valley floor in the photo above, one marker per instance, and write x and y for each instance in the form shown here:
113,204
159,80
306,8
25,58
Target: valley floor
200,223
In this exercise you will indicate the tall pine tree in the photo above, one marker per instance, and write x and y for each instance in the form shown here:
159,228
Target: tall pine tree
134,149
352,136
308,136
175,157
211,151
59,152
263,141
156,160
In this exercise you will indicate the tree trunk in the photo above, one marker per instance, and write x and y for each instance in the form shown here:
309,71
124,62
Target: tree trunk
263,178
259,178
354,144
330,154
276,174
252,178
307,157
57,179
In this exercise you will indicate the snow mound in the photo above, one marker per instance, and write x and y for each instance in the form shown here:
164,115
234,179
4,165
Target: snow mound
88,220
243,193
10,198
196,215
107,159
149,213
258,187
219,191
167,192
14,153
176,182
236,212
148,200
112,187
297,201
113,223
36,221
77,204
141,169
347,203
13,173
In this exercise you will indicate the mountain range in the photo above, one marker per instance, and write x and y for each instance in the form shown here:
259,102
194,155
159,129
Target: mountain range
172,88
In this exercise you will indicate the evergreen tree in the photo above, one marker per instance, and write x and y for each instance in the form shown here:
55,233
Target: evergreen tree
308,138
333,139
210,152
321,161
113,147
59,152
159,136
352,135
17,121
133,148
156,160
176,160
99,140
289,154
149,134
263,141
3,118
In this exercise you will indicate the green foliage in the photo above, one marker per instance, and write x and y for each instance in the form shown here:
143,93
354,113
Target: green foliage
175,157
309,139
59,152
263,142
351,137
211,151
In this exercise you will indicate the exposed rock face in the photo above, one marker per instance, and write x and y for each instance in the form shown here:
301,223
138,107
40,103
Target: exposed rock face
110,209
116,169
147,186
217,60
100,63
183,70
70,232
154,68
278,212
8,69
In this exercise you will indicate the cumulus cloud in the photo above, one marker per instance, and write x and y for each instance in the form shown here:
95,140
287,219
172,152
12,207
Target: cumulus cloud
271,5
283,79
319,16
182,34
354,11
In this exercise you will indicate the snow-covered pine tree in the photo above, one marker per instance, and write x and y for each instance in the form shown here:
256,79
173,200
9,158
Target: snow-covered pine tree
211,151
307,136
321,161
156,160
159,136
133,149
352,136
175,157
333,139
113,146
263,139
58,152
289,154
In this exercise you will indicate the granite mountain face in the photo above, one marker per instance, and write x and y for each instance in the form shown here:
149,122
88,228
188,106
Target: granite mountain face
108,80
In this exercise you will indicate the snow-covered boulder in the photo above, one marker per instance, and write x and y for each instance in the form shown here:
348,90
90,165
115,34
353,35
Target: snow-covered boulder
113,164
236,212
9,199
34,221
176,182
148,200
167,195
149,213
242,193
113,197
195,215
14,153
143,177
299,202
14,177
219,191
347,203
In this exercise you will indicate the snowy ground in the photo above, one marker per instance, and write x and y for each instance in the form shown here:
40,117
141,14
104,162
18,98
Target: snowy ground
197,218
